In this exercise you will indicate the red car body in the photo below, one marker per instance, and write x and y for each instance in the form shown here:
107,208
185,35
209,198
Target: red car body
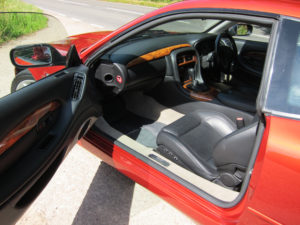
273,193
273,186
82,42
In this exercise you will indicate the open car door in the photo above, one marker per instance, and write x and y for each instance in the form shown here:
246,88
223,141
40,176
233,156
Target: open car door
39,126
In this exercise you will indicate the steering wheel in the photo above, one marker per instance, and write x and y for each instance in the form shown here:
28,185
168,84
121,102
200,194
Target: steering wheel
225,53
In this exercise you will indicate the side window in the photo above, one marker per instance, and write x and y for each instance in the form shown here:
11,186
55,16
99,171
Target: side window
294,90
284,88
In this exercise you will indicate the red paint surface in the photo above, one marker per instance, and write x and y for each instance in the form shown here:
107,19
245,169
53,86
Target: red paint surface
41,72
83,41
273,195
275,185
176,194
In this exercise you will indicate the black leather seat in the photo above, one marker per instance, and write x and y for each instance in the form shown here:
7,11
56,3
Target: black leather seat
243,98
209,144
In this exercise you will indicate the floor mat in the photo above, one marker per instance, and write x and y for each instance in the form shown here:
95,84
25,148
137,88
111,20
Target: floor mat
148,107
141,129
140,117
147,134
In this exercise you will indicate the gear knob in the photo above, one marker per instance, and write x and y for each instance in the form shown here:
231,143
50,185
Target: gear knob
192,75
196,86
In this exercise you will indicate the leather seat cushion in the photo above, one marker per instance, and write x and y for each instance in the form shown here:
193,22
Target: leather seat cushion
192,139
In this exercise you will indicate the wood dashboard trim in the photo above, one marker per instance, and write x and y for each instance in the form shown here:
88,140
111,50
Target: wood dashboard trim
155,54
185,62
200,96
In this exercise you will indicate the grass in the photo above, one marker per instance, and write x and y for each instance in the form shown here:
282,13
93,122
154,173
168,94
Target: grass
152,3
13,25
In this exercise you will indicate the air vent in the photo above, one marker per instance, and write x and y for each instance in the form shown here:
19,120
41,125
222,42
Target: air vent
180,60
77,86
189,57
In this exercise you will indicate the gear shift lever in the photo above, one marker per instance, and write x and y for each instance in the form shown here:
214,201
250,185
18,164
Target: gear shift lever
197,84
192,74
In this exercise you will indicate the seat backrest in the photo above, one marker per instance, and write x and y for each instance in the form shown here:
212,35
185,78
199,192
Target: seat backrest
233,151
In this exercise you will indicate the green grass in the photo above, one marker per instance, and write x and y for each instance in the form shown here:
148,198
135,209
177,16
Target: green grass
13,25
152,3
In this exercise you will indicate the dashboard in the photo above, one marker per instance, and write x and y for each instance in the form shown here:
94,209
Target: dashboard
144,63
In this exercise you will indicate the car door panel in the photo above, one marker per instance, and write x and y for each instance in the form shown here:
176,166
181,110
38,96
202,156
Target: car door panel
40,125
251,58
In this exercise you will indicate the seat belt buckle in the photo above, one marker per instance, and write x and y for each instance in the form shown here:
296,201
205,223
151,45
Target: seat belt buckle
240,123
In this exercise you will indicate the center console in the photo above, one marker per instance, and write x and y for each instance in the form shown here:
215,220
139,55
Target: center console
187,68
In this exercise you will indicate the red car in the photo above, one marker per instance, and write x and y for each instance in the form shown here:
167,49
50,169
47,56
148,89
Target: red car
198,101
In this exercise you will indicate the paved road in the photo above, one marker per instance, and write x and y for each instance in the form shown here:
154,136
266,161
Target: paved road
100,14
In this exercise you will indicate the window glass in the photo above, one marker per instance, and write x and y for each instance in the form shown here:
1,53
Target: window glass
187,25
177,27
294,91
284,89
259,33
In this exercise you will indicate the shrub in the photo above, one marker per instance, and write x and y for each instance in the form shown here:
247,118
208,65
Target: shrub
13,25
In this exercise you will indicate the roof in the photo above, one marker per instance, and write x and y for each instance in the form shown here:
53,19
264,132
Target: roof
282,7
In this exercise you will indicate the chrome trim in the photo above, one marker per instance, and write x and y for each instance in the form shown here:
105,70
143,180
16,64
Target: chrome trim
282,114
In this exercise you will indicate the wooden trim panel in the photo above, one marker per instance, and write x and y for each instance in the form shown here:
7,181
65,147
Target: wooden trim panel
185,61
26,125
155,54
200,96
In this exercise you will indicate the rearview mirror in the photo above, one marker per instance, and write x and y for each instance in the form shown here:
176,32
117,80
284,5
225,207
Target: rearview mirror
36,55
240,30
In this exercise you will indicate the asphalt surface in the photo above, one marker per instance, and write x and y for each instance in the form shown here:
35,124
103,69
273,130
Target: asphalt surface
85,190
100,14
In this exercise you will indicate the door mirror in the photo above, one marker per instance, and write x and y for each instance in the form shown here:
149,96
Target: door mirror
240,30
37,55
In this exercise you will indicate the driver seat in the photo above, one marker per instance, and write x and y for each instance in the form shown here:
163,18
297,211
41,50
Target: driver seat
209,144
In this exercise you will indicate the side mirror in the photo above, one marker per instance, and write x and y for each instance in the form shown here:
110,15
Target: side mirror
37,55
240,30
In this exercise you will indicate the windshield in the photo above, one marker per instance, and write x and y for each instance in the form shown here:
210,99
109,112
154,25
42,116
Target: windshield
184,26
187,26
